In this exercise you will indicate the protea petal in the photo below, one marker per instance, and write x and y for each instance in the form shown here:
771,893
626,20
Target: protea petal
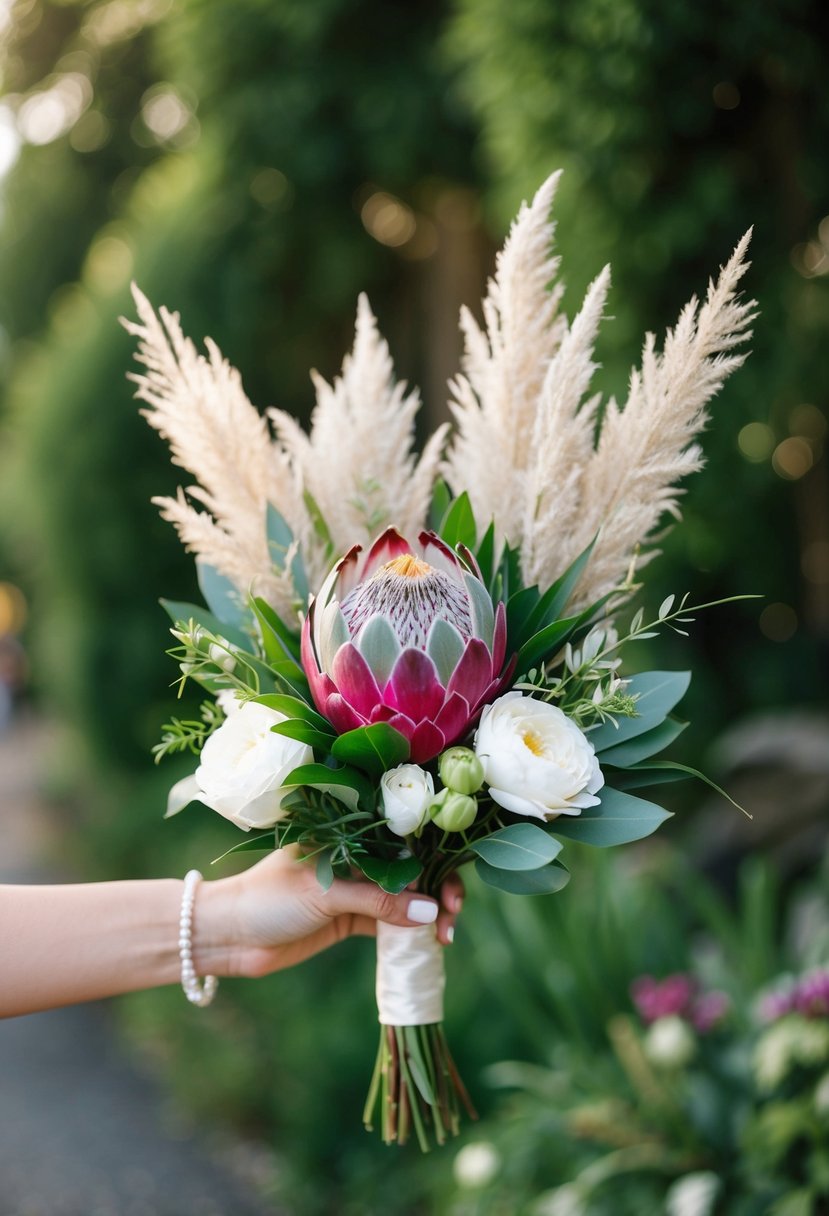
483,617
389,545
414,687
444,646
454,717
352,676
438,554
499,637
473,674
400,722
406,634
426,742
378,644
331,633
342,716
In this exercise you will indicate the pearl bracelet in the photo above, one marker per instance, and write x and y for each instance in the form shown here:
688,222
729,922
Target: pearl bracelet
194,991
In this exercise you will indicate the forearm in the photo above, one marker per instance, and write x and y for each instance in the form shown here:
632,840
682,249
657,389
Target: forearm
64,944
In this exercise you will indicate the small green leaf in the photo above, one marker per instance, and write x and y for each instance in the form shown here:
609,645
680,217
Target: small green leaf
345,784
544,881
181,612
458,526
303,732
417,1065
685,770
521,846
295,707
264,843
288,639
374,748
325,870
618,819
649,774
392,876
641,747
656,692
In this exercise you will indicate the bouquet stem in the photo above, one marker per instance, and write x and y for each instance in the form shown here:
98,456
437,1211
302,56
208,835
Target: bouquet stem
416,1086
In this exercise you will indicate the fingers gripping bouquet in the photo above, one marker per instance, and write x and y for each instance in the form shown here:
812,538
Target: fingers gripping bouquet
415,663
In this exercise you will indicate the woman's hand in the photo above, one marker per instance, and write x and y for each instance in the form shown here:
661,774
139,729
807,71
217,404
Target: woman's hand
277,914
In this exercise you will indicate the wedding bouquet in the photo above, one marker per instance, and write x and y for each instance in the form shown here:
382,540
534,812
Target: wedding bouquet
414,662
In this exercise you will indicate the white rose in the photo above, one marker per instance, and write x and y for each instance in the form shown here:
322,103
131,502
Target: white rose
406,792
244,766
536,760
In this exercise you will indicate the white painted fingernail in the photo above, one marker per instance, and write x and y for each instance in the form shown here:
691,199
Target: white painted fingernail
450,933
422,911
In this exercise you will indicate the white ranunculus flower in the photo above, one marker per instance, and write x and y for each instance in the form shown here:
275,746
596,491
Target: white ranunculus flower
536,760
406,792
244,766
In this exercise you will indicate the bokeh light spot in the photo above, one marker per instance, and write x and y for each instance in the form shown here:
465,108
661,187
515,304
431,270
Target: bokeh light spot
792,458
778,622
109,261
756,441
13,609
388,219
808,421
271,189
726,95
814,562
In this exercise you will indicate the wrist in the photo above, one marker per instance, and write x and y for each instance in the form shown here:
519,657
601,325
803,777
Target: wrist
215,937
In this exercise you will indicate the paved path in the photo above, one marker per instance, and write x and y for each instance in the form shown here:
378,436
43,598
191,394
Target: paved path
82,1132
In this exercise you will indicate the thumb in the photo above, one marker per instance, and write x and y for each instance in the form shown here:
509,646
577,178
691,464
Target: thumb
366,899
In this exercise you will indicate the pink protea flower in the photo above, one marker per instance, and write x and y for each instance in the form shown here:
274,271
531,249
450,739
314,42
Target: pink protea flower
407,635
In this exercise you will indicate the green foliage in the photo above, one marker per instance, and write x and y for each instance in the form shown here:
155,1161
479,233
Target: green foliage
605,1123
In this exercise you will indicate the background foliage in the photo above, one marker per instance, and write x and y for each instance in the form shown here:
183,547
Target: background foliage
254,165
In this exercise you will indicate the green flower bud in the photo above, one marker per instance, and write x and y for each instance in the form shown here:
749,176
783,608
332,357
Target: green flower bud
453,812
461,770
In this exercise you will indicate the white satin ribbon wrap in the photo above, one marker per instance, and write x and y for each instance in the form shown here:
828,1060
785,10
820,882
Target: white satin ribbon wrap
410,975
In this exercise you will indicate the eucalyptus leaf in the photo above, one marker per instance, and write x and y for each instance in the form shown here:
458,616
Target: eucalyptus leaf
656,692
618,819
280,536
392,876
374,748
521,846
544,881
641,747
222,598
